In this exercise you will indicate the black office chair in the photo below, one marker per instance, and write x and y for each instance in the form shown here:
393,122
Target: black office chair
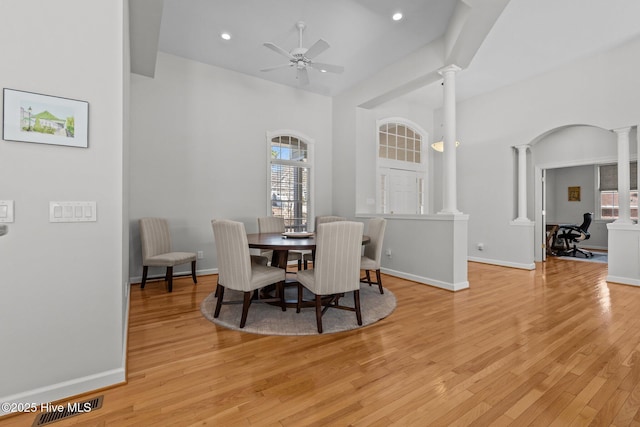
569,235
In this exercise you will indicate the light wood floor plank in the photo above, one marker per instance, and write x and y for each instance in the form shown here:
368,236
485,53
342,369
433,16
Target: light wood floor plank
555,346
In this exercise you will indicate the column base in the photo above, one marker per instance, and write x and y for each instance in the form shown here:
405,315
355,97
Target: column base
449,212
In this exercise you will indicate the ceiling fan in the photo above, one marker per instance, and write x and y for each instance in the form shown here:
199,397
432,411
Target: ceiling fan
301,58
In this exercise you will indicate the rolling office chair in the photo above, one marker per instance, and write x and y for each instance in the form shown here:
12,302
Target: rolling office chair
569,235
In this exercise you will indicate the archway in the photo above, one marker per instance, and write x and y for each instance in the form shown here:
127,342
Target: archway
576,146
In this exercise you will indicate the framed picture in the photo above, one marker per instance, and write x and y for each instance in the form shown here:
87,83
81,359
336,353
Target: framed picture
44,119
574,194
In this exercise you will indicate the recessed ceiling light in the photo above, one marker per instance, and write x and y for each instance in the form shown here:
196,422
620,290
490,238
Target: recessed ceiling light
397,16
225,36
323,71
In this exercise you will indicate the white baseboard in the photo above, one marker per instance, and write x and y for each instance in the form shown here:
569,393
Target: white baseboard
427,281
501,263
63,390
623,280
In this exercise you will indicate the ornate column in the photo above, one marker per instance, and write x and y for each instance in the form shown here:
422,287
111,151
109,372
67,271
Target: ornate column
522,183
449,153
624,206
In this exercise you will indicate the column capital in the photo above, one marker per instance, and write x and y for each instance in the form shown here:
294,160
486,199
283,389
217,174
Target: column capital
522,147
449,68
622,130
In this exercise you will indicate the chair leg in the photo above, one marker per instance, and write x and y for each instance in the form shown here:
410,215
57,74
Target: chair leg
193,272
356,300
217,290
169,278
245,308
319,313
368,276
145,270
300,264
283,302
220,294
379,281
299,303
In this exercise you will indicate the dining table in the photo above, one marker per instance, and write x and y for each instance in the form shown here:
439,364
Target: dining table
281,244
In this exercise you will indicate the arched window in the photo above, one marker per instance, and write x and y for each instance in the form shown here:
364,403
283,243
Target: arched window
401,167
290,178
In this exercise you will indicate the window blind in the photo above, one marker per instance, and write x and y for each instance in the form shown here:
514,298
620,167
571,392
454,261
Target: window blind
609,177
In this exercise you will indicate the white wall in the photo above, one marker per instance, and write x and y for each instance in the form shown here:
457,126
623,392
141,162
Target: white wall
61,311
600,91
429,249
367,147
198,150
562,211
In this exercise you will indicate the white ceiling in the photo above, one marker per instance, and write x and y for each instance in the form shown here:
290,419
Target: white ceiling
361,33
529,37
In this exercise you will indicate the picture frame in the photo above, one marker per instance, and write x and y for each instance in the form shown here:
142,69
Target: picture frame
574,194
44,119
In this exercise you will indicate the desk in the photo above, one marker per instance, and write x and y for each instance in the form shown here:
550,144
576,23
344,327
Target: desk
551,233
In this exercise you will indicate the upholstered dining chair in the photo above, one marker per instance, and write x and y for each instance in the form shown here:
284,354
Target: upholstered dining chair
320,220
274,224
156,250
237,271
336,270
370,261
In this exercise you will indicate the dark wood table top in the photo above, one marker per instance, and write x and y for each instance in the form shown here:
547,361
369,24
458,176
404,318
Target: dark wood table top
276,241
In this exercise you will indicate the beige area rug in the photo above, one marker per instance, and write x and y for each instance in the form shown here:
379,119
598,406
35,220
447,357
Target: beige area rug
266,319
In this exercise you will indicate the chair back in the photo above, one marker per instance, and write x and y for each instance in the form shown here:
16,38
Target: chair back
327,219
338,251
234,259
155,237
586,221
270,224
376,232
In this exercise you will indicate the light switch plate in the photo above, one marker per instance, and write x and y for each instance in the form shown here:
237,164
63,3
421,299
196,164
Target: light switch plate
72,212
6,211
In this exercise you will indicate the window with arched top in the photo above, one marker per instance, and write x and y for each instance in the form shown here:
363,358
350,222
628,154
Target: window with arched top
401,167
290,178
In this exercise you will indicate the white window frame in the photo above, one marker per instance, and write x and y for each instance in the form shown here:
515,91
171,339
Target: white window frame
308,164
384,165
598,195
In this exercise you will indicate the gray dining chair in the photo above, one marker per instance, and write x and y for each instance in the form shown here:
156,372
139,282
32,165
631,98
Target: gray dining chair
371,259
274,224
308,257
237,271
156,250
336,270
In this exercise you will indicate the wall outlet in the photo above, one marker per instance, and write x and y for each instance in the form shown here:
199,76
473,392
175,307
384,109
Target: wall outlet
388,253
200,254
481,246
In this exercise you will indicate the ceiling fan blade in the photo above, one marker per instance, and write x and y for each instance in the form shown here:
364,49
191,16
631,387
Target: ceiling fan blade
316,49
279,50
275,67
327,67
302,76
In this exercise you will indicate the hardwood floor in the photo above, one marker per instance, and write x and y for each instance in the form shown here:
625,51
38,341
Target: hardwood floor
558,346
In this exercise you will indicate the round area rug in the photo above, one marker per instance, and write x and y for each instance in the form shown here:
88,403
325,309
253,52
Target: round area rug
266,319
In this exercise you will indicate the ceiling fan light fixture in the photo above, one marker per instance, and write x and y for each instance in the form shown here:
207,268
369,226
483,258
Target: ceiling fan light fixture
225,36
302,58
397,16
